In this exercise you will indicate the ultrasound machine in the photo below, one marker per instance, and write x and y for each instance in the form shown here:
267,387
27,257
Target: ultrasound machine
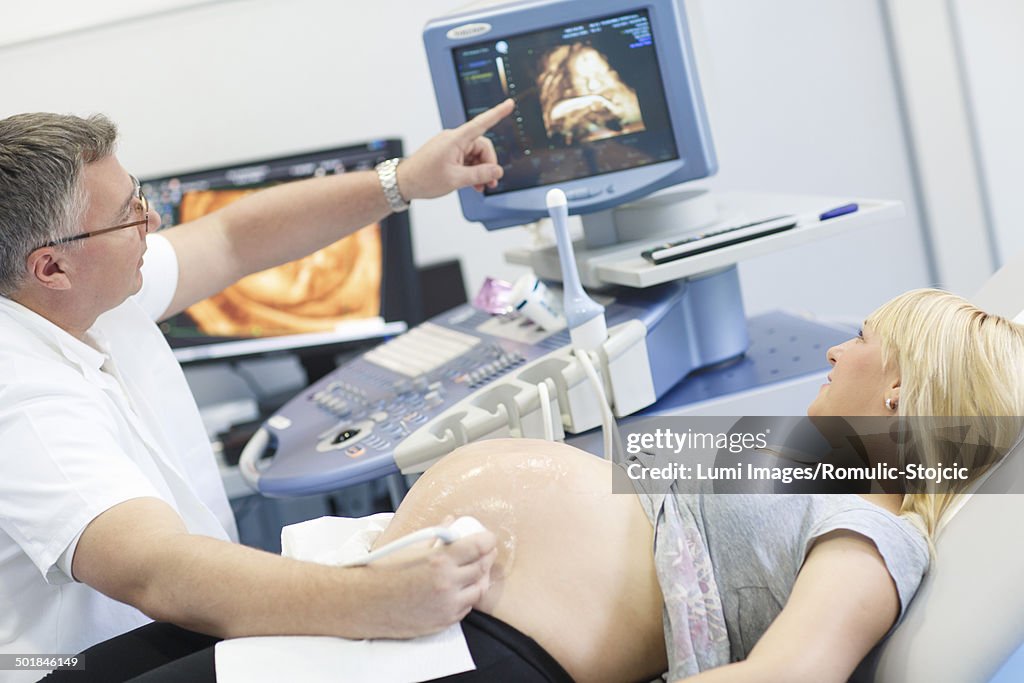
609,111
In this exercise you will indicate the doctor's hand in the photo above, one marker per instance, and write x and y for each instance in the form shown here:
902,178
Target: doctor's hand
454,159
424,590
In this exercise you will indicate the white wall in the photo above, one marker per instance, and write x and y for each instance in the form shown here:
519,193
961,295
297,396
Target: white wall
802,98
49,18
942,141
992,48
801,93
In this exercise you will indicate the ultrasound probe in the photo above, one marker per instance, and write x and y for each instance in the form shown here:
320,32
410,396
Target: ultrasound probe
460,528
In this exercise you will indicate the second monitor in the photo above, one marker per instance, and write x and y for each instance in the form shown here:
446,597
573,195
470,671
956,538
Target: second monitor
361,287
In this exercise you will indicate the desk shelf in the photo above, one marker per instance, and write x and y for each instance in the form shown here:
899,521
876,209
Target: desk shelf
622,264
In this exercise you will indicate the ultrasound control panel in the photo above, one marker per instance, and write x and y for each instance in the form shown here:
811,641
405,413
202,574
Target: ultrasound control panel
465,376
392,408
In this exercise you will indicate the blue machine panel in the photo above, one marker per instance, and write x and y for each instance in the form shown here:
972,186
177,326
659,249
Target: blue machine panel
345,428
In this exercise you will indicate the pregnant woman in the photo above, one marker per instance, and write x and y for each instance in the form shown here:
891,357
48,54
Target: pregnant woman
595,586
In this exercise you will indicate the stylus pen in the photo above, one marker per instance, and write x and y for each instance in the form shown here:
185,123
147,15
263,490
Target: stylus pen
838,211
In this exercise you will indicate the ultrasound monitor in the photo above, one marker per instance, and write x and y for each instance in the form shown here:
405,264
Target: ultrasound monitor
608,105
360,288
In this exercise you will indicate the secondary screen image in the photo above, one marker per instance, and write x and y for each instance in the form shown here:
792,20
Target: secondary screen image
317,293
589,100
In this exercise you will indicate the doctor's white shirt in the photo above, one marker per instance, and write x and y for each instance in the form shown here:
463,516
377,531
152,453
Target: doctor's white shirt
83,427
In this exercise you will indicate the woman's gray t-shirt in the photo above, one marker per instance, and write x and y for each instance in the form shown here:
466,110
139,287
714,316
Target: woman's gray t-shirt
727,563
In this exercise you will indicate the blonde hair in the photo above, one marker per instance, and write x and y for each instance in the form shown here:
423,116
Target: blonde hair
954,361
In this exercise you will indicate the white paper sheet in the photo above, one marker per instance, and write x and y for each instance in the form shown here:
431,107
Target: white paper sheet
337,660
335,540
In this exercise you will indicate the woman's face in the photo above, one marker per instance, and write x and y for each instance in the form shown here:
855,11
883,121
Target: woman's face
858,383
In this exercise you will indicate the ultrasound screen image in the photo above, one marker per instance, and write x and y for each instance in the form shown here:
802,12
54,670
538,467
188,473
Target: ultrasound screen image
589,100
583,98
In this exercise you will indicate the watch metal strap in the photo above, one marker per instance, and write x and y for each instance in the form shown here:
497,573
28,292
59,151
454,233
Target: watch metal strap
387,173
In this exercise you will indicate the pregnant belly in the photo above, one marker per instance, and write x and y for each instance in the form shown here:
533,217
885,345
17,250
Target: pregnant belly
574,570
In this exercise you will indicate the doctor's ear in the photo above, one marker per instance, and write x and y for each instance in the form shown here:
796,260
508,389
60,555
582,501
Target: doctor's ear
47,267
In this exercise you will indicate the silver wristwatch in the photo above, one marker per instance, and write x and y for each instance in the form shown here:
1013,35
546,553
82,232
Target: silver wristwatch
387,173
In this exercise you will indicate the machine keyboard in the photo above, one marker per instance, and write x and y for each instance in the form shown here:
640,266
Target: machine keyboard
422,350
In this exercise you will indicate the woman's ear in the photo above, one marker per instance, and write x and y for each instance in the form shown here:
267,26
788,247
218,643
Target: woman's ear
894,380
893,396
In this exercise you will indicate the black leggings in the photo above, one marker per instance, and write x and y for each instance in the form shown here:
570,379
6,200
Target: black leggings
162,653
504,655
187,656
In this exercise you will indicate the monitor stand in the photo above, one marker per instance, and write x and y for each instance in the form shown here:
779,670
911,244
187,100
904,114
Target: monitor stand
711,302
669,213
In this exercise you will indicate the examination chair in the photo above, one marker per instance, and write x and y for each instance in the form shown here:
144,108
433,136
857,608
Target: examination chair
968,616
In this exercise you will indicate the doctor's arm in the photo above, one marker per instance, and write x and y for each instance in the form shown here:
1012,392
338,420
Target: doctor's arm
283,223
139,552
843,603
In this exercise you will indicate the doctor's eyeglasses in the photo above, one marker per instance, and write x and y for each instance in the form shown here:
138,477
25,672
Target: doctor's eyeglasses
140,207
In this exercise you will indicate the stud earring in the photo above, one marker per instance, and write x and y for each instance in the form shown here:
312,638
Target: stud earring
890,404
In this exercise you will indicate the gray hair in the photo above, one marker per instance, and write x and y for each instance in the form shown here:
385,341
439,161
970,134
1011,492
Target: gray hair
42,198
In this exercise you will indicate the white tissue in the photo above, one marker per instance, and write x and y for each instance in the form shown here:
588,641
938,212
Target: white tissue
335,541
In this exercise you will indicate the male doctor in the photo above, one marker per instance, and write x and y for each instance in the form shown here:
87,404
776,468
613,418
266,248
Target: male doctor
112,513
